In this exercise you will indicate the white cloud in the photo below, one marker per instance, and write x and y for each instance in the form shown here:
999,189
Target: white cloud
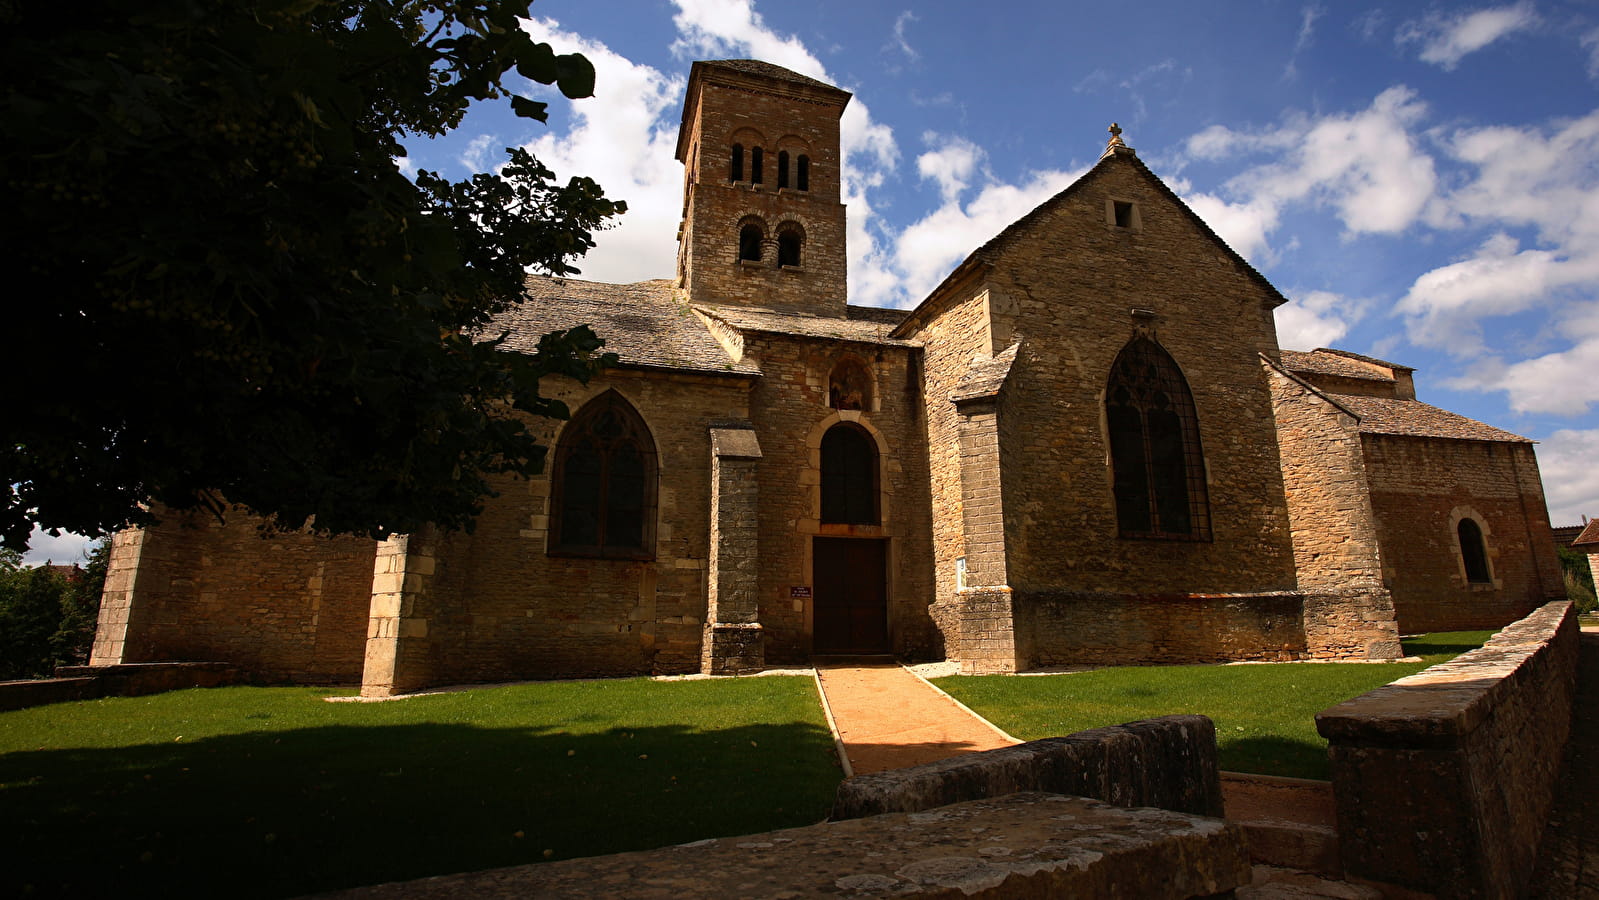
1570,478
1315,319
475,158
1307,31
64,550
1160,75
899,41
1445,40
1590,43
1519,179
1365,165
926,251
1558,382
951,165
1244,226
625,138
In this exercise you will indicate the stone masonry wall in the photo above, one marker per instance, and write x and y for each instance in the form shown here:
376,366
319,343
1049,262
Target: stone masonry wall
1420,489
790,411
951,341
1444,780
503,608
1347,612
800,123
278,606
1073,312
1107,628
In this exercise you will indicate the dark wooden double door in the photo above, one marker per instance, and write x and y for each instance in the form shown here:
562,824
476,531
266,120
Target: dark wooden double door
851,603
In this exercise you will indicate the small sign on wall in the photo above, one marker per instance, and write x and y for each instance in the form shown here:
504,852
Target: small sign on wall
800,592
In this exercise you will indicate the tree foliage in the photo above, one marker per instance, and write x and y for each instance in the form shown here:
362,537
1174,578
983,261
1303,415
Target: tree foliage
228,288
47,616
1578,579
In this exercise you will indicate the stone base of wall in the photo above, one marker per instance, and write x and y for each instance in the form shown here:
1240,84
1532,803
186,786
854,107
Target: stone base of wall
1092,628
985,638
1351,625
732,649
127,680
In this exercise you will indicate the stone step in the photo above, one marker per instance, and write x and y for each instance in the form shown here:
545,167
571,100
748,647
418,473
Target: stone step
1292,845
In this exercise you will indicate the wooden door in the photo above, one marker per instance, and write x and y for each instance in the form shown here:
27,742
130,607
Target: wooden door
851,603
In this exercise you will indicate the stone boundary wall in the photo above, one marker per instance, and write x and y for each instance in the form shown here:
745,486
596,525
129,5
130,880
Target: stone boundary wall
1023,845
1166,763
1444,780
129,680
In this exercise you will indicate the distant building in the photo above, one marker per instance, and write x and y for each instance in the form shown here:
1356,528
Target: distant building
1084,446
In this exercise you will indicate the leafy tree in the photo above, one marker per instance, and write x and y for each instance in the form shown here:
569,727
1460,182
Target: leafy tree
47,617
1579,579
225,286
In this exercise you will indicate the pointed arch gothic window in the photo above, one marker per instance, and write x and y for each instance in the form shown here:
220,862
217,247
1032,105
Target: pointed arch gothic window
603,483
849,476
1157,463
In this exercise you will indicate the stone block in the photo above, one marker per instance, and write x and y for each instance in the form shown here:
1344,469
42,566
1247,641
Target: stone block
1022,845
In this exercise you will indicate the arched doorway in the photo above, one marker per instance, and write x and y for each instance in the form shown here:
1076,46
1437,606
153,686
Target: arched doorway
850,571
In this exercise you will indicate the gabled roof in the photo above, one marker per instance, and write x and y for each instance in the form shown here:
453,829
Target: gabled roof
642,323
989,253
1334,362
1589,536
1412,418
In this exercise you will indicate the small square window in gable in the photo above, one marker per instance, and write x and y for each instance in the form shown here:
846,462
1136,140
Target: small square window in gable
1122,214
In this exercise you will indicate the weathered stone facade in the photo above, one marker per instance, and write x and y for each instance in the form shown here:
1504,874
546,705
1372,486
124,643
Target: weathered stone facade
1083,447
1429,477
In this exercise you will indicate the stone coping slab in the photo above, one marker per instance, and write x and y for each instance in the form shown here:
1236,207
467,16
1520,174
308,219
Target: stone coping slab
1437,706
1030,845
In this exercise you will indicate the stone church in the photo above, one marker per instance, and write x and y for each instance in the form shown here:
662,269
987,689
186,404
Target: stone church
1083,447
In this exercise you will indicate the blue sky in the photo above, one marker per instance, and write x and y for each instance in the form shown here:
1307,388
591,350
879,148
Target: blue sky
1421,180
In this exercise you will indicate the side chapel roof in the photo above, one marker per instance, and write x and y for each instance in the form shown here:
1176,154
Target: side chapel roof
862,324
1326,361
1412,418
642,323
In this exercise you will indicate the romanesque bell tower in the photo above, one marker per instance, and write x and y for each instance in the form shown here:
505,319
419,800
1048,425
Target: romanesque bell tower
763,225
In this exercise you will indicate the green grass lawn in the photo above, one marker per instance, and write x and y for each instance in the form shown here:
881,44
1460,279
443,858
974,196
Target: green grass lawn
264,792
1264,714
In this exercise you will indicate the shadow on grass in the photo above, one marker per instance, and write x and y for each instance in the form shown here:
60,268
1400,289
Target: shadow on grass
282,813
1283,757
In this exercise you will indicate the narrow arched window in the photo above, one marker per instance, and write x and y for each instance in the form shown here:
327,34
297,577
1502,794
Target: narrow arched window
789,243
756,175
803,176
603,483
1157,464
738,163
1474,552
849,476
749,242
782,168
